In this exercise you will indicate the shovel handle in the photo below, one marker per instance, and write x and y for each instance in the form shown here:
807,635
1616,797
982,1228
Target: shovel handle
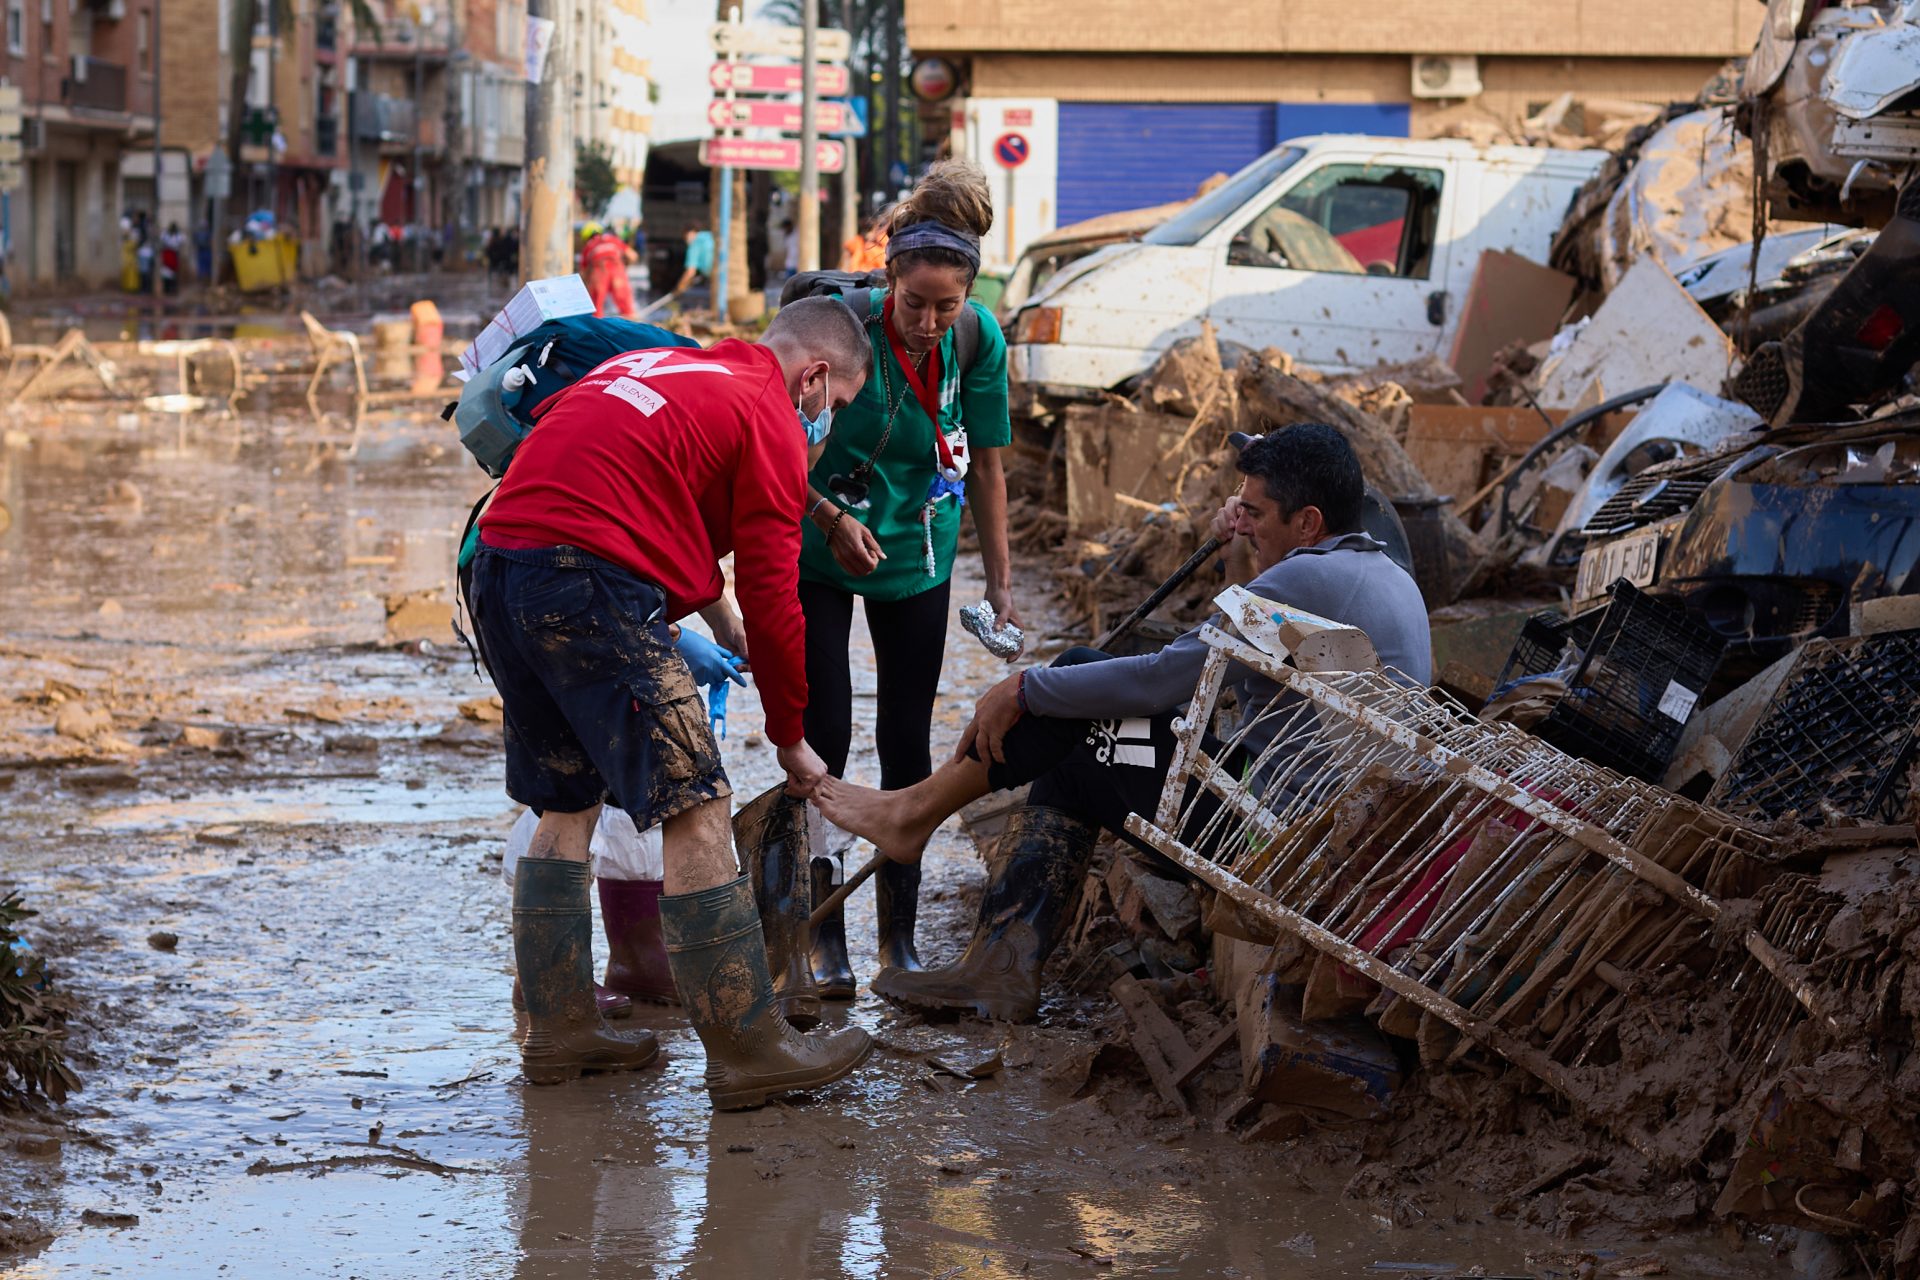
833,900
1208,549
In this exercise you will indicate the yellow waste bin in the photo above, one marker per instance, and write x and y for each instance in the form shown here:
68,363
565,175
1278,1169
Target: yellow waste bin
265,264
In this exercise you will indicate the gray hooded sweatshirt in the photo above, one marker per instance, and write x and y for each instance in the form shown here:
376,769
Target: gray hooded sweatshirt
1346,578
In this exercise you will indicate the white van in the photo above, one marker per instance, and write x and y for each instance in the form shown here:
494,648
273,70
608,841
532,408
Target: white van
1344,251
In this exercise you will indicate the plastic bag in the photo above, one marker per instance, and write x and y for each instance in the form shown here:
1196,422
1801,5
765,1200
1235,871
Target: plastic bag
618,851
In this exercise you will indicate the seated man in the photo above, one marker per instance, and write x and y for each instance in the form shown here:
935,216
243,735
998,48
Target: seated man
1094,734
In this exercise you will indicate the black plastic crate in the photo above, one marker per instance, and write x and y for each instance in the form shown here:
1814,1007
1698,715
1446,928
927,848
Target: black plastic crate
1637,684
1838,739
1543,645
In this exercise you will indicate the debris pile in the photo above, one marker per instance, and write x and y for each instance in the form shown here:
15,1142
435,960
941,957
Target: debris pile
1617,920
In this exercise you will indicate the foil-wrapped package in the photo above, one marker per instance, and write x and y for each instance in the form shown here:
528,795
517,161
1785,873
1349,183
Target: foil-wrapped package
981,623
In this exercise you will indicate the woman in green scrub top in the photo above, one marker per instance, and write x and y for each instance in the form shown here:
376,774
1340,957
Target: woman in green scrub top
926,436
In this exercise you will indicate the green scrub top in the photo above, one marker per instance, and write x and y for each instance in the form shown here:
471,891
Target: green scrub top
904,471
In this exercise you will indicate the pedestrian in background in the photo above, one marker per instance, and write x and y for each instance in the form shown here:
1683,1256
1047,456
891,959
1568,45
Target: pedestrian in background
926,434
698,265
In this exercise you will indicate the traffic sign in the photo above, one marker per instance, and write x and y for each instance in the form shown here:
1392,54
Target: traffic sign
829,117
741,41
219,176
778,77
10,149
11,98
12,177
1012,150
780,154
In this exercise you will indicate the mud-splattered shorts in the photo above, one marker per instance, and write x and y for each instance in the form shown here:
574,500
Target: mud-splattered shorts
598,703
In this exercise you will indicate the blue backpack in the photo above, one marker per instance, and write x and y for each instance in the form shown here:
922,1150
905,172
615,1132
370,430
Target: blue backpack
500,404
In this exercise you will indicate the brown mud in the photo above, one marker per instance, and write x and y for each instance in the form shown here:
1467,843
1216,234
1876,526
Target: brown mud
318,1075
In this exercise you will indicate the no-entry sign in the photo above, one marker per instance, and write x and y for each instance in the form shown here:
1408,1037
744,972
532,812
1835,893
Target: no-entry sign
1011,150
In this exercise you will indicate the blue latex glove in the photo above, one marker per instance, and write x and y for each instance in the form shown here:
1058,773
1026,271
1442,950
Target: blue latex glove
712,666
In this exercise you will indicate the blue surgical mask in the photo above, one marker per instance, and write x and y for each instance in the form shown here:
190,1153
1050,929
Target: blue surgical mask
818,426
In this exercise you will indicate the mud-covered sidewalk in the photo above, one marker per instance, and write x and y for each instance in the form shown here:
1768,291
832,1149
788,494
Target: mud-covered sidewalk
264,836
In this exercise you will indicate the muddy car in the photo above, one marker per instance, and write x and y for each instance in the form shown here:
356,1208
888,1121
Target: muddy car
1783,541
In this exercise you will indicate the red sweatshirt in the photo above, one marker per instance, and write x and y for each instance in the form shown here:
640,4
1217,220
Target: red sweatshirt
663,461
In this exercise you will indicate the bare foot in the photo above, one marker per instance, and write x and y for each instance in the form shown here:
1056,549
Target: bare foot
887,818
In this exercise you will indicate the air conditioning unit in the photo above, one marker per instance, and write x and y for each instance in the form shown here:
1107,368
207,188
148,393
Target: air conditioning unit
79,75
115,11
1446,75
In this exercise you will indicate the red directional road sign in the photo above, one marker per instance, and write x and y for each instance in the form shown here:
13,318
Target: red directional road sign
829,79
832,117
782,154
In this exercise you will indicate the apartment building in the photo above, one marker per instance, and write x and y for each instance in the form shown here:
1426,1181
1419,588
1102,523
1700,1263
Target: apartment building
86,72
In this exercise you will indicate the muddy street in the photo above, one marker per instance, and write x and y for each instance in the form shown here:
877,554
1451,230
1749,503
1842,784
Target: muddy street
268,875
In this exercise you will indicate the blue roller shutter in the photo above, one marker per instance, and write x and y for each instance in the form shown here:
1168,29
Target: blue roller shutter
1128,155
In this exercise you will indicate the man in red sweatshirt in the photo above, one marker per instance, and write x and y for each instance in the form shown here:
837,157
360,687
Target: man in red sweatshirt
610,526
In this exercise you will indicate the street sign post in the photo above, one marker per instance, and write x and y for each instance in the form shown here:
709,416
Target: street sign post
834,117
780,154
742,41
751,77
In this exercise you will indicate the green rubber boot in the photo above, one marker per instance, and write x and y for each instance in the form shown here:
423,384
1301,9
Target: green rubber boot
719,959
553,951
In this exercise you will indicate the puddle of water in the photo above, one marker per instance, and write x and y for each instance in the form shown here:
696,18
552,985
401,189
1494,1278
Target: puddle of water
379,802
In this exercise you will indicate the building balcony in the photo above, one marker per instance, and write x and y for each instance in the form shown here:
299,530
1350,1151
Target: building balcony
395,125
95,84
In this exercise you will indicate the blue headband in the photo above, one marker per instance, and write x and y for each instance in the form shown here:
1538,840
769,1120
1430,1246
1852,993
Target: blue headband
934,235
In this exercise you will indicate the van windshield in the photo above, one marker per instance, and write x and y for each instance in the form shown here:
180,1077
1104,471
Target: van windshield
1206,213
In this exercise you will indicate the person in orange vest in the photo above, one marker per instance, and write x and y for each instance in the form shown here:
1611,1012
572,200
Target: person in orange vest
603,265
865,253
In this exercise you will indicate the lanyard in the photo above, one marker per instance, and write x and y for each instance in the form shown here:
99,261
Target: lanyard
927,391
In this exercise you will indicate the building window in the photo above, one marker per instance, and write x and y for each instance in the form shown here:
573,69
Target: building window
17,28
143,43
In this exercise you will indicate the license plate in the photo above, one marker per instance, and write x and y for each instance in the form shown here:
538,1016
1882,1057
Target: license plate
1636,557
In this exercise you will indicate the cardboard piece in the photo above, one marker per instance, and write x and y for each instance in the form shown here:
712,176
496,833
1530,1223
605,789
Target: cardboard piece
1511,299
1112,451
1648,331
537,302
1460,447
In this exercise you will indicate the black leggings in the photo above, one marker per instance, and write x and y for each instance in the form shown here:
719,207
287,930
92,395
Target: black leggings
909,646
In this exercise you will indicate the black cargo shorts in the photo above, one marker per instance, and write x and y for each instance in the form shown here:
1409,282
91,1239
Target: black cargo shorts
599,705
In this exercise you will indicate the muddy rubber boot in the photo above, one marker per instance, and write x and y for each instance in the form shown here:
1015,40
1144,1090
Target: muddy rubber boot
720,966
553,950
774,842
896,889
636,954
1032,887
610,1003
832,971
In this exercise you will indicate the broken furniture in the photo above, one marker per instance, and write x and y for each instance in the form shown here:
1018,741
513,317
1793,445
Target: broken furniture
73,344
331,347
184,352
1472,888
